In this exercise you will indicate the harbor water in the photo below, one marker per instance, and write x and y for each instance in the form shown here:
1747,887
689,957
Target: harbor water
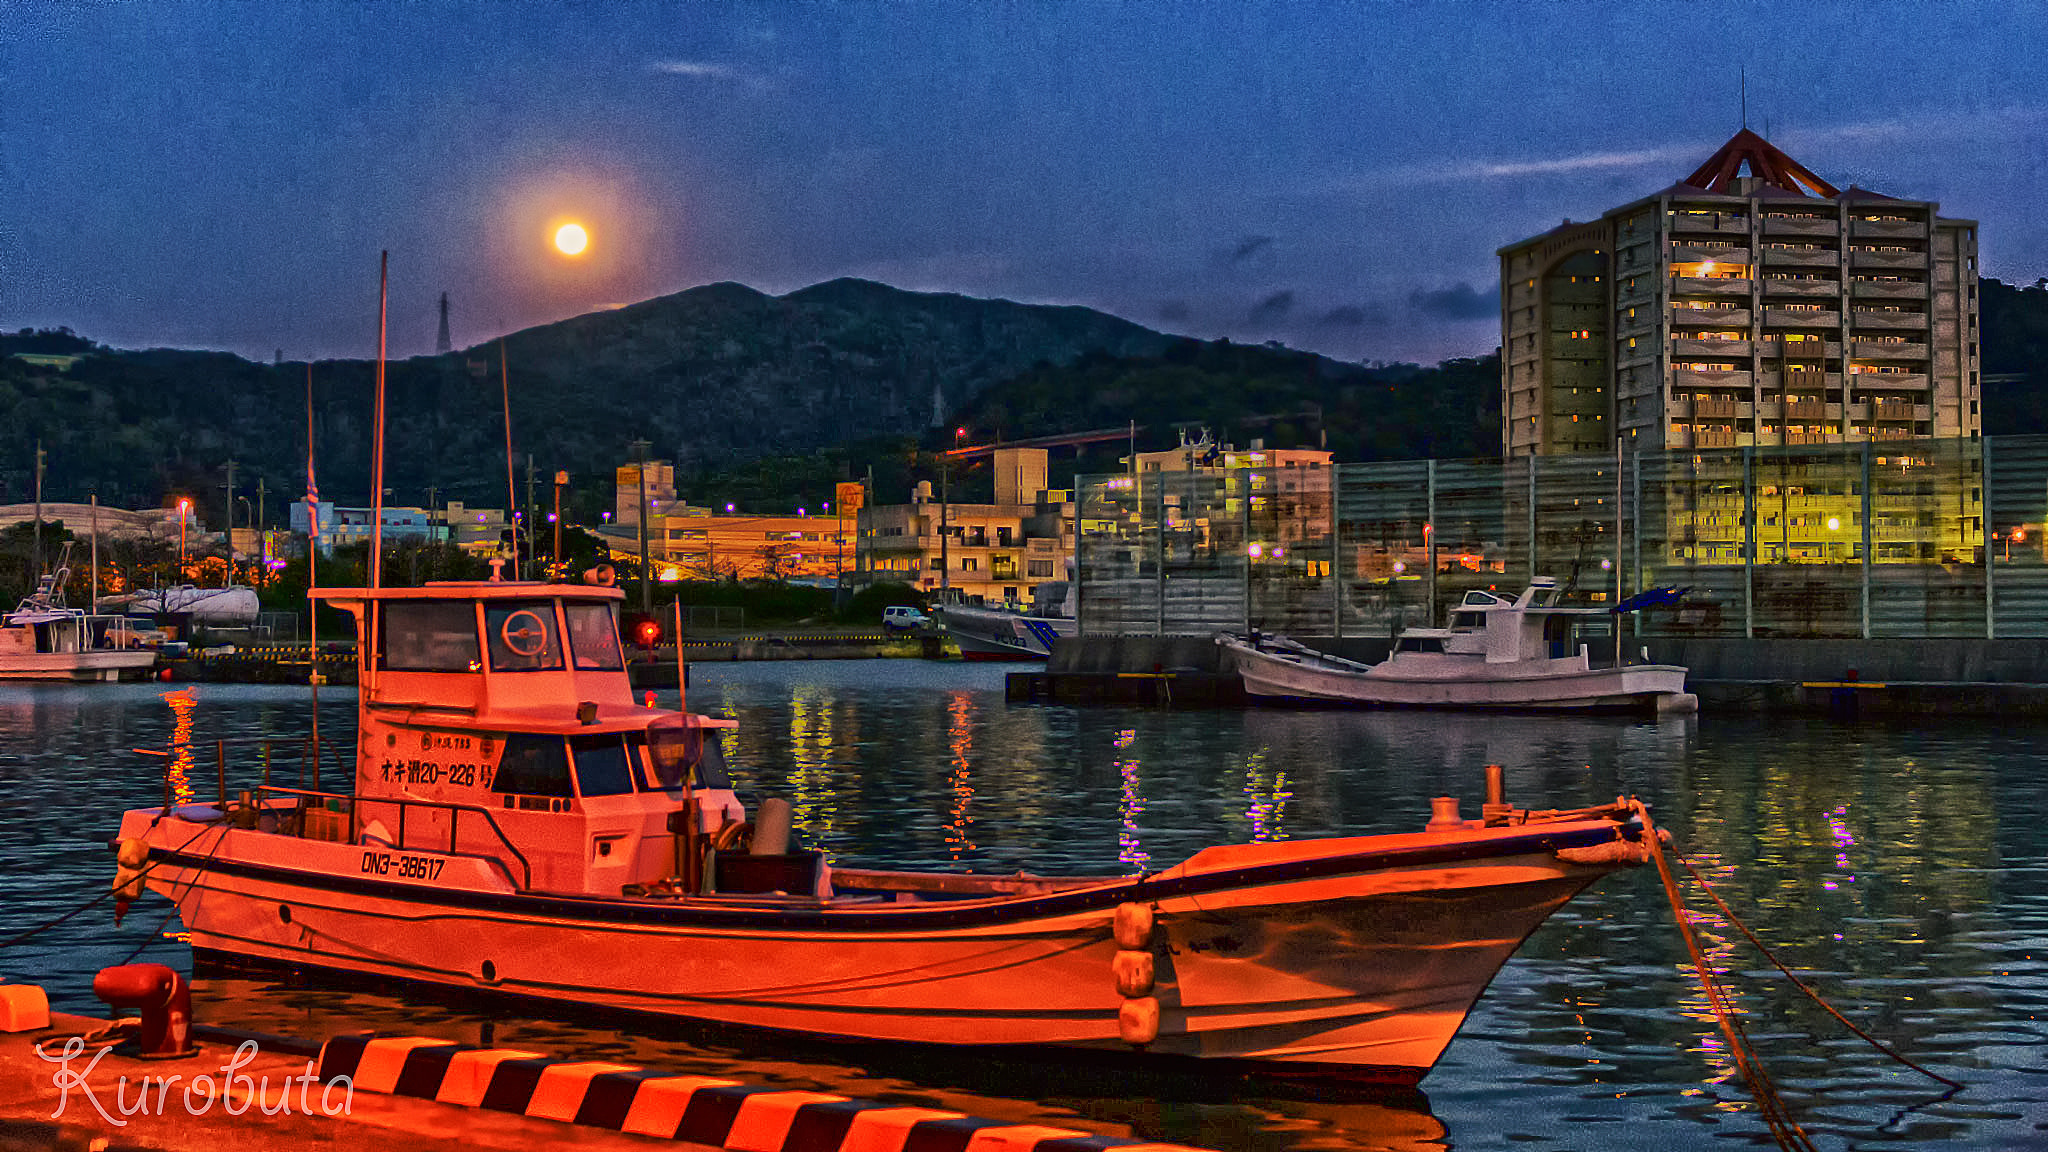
1902,869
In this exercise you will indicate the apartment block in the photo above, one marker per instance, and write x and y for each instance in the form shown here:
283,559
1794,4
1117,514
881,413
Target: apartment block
1752,303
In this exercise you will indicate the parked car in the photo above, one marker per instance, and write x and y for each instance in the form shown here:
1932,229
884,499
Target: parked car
903,619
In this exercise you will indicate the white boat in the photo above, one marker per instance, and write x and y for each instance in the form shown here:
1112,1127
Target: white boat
1497,653
517,824
1009,634
42,639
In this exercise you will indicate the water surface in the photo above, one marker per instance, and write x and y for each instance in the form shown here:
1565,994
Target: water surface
1904,868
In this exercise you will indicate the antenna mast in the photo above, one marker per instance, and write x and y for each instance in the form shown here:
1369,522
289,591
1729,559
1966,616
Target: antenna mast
377,433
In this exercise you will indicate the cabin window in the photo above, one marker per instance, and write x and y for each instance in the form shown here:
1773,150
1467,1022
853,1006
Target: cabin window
594,637
677,753
1419,644
523,636
1468,620
429,636
533,766
601,765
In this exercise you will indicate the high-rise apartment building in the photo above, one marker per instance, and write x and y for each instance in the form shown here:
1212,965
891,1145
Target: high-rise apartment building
1752,303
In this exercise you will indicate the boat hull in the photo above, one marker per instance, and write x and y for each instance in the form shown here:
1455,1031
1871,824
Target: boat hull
1651,687
1359,966
984,635
91,665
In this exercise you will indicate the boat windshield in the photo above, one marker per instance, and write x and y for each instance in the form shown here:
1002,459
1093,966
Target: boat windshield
603,765
676,751
533,766
523,636
594,637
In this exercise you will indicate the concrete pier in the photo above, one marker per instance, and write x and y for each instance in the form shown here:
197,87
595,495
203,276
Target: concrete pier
1952,676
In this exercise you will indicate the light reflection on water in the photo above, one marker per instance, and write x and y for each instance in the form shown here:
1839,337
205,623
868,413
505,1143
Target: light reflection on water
1906,869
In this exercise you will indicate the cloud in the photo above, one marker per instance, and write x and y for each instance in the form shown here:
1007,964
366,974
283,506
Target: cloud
1249,247
1353,316
710,70
1458,302
1273,308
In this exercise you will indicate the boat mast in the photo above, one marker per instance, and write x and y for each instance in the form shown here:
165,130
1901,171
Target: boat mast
312,577
377,433
95,552
511,489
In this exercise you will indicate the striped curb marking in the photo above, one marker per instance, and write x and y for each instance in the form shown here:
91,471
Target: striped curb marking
698,1109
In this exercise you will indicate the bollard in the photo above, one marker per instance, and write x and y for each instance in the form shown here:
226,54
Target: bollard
1443,815
162,999
1496,809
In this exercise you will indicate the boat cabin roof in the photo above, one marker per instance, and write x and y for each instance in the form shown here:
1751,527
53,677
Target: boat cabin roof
472,590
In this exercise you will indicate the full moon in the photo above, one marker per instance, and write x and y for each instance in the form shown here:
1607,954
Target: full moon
571,239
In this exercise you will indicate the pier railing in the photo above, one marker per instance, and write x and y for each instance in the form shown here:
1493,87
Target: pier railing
1875,539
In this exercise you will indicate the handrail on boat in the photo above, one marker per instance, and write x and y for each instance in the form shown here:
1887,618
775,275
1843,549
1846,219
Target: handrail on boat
404,802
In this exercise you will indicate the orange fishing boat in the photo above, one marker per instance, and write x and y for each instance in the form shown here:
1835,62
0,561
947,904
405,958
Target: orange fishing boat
517,823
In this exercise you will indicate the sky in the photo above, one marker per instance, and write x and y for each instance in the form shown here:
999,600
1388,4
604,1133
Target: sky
1336,177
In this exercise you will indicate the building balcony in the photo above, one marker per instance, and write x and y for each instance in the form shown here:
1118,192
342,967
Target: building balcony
1705,409
1888,381
1889,321
1806,350
1687,378
1729,315
1809,410
1813,438
1909,260
1779,286
1880,350
1718,223
1711,438
1683,252
1779,226
1804,381
1886,229
1685,348
1887,290
1895,410
1800,258
1710,286
1801,318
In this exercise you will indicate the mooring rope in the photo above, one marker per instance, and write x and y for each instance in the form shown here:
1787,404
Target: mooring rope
1784,1129
1812,995
145,870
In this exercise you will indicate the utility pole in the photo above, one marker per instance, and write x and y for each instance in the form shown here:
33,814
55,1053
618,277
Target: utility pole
561,478
38,557
260,518
431,491
640,471
228,497
530,549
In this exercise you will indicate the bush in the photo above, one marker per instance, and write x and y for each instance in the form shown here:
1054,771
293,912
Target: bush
866,605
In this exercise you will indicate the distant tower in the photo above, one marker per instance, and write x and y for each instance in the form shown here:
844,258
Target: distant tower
442,343
938,404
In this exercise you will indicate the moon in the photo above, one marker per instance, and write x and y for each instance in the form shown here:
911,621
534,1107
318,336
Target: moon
571,239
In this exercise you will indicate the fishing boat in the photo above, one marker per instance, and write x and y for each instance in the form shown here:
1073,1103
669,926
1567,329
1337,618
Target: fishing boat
517,824
1497,653
1003,633
44,639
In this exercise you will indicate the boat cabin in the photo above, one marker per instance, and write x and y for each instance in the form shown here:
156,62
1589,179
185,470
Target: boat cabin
495,718
1535,626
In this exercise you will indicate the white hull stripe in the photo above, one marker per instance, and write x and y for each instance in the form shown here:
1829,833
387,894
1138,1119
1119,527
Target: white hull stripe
696,1109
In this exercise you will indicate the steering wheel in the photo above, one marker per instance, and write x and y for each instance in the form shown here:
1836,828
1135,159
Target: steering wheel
528,640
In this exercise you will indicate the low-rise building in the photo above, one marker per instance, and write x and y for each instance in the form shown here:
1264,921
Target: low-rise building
990,552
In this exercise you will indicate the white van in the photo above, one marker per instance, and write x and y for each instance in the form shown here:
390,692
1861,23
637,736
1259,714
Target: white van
902,619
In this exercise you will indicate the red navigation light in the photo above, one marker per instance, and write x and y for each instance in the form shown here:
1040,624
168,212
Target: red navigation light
649,633
2019,533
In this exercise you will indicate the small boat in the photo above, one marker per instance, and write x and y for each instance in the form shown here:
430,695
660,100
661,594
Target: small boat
517,824
43,639
1496,654
1008,634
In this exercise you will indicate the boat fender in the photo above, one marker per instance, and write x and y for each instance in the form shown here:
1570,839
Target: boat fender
1133,926
129,859
1137,1022
772,820
1134,973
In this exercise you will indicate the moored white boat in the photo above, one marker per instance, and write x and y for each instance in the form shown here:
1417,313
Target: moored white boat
517,824
1496,654
42,639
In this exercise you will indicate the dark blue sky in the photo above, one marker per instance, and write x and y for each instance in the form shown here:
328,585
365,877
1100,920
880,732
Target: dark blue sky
1334,176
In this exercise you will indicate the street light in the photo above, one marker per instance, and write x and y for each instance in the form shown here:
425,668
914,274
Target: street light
184,506
561,478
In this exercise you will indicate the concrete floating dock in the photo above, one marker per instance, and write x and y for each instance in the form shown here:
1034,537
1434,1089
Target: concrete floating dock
1862,678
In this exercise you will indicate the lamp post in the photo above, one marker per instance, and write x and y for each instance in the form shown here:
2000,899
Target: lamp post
184,506
640,472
